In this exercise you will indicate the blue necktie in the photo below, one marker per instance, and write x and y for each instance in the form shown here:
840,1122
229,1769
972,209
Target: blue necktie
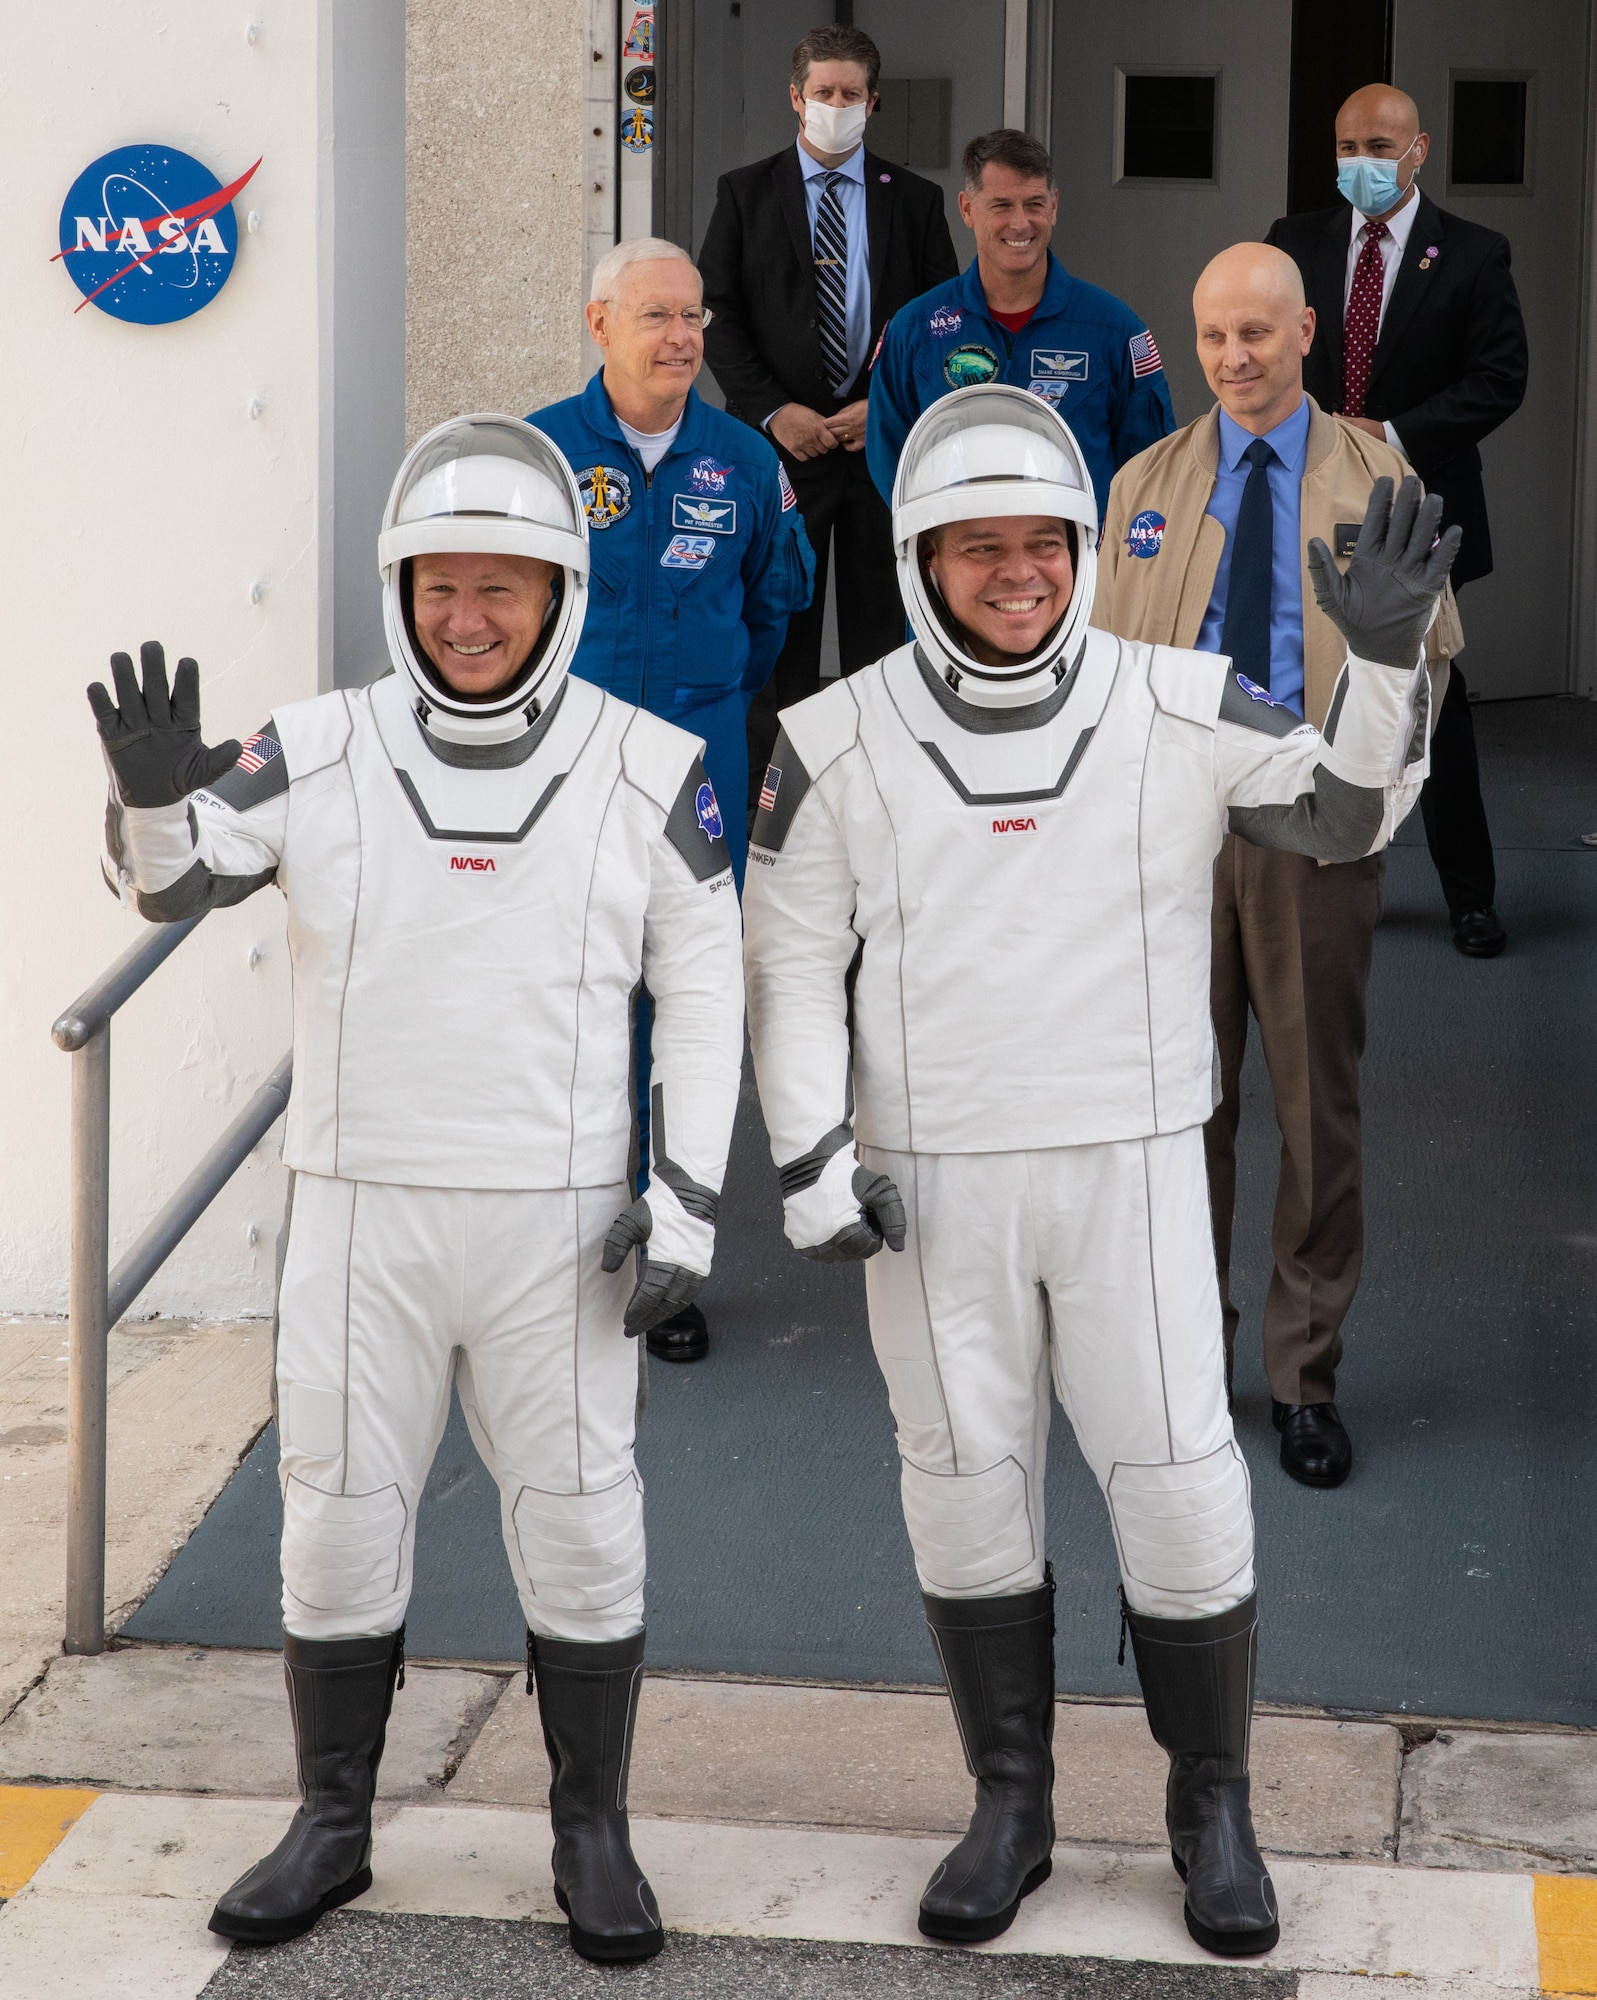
1246,636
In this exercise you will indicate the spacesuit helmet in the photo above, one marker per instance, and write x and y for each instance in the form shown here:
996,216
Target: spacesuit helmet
485,485
992,450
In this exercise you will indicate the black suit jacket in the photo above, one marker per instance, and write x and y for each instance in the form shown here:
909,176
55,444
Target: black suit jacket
758,265
1451,362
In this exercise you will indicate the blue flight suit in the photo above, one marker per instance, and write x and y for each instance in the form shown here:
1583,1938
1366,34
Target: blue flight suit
1084,351
695,572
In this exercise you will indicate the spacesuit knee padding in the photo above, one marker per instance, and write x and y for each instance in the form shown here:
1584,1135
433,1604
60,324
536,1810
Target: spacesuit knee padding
970,1531
581,1551
1184,1529
342,1551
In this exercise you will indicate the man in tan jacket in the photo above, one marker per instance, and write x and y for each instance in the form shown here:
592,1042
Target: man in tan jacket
1204,545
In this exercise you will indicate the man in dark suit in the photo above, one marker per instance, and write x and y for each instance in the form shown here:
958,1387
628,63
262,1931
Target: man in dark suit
808,255
1419,340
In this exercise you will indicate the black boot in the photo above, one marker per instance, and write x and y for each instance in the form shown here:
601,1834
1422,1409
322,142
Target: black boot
1197,1683
340,1692
998,1660
587,1701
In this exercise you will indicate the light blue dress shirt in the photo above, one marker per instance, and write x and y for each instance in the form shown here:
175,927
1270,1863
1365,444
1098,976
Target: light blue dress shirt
851,193
1289,440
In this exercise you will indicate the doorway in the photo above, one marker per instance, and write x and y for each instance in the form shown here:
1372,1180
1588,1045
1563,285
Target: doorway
1174,134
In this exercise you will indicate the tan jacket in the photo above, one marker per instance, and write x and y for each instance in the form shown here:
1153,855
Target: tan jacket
1162,598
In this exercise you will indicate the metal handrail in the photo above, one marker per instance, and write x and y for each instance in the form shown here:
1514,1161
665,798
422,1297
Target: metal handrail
97,1299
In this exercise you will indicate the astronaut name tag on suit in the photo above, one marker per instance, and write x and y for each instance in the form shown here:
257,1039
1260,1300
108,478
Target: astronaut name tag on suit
479,875
977,955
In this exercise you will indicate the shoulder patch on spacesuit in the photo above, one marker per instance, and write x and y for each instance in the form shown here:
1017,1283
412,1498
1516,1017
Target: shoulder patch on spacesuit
1250,706
694,826
1187,684
261,773
781,794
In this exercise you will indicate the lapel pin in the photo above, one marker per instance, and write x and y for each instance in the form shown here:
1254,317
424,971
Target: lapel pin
884,178
1430,252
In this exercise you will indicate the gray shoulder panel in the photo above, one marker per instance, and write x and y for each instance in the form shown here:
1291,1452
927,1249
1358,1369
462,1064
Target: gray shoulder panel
261,773
694,827
786,783
1247,705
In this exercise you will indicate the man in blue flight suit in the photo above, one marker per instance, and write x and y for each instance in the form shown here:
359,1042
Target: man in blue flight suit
698,554
1016,315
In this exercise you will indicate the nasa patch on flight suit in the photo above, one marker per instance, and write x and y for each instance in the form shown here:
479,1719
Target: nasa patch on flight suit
964,367
688,552
606,494
704,517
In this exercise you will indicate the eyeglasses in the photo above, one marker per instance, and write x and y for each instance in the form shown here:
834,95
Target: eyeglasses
655,319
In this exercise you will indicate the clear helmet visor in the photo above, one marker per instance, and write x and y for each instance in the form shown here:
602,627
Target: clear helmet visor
486,486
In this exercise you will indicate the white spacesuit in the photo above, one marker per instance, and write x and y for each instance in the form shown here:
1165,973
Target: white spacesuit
977,957
477,887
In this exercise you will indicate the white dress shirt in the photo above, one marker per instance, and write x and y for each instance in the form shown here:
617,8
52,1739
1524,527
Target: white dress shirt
1399,227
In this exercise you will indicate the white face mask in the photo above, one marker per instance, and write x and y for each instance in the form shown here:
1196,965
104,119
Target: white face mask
834,128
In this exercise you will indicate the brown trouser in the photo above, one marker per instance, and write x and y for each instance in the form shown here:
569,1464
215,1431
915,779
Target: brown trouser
1292,941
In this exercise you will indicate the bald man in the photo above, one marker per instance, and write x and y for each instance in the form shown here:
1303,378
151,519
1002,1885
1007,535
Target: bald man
1419,340
1205,545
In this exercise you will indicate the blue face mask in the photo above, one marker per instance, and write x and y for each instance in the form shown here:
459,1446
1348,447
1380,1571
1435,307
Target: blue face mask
1370,185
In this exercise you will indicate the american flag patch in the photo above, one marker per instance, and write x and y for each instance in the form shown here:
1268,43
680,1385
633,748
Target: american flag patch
773,778
789,497
1144,355
259,750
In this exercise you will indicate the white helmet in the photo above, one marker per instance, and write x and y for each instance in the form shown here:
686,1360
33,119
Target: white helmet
992,449
485,485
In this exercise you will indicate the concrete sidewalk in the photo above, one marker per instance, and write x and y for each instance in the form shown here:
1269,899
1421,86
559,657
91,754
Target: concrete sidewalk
134,1786
187,1400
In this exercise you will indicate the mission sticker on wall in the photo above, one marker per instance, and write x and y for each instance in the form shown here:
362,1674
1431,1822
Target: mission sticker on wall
637,130
640,37
148,234
639,84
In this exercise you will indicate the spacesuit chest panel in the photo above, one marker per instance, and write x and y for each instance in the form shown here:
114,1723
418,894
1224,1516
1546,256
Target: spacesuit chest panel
477,939
1008,995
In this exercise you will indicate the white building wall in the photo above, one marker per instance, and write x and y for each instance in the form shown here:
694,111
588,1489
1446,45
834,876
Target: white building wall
159,482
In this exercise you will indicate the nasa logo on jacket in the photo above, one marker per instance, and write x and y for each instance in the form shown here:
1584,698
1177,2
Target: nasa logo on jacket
1145,534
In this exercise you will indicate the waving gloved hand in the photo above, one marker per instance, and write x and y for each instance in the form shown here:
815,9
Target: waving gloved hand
1383,604
152,736
662,1290
845,1213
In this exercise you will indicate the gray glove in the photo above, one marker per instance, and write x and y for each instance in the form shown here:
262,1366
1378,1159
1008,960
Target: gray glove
153,737
1382,606
881,1218
662,1290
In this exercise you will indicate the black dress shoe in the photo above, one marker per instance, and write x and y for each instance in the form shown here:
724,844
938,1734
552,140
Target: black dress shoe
1315,1448
1479,933
683,1337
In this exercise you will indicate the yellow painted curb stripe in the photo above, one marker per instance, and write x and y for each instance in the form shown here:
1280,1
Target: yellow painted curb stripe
1566,1933
34,1820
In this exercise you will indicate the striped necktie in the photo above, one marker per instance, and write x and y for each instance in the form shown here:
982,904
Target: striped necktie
831,283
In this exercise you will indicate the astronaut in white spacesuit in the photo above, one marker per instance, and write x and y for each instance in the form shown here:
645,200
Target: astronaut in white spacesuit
977,955
483,860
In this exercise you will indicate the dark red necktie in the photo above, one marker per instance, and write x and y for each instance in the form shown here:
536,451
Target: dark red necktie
1363,319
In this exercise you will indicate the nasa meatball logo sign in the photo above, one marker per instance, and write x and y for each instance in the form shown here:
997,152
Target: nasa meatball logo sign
148,234
707,812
